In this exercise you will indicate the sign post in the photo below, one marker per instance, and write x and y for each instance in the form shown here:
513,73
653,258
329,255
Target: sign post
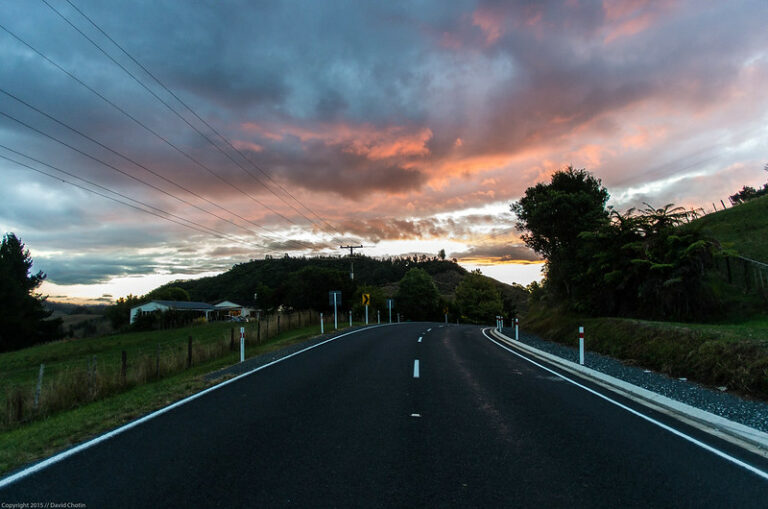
366,303
517,330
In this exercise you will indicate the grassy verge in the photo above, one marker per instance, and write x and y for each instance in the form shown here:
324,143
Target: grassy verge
732,355
41,438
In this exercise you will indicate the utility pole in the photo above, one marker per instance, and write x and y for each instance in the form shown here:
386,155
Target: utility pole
351,263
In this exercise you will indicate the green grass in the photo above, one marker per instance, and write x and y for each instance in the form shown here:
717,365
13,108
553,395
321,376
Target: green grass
744,226
734,355
41,438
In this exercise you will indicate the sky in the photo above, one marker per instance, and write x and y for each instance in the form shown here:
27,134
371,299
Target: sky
147,141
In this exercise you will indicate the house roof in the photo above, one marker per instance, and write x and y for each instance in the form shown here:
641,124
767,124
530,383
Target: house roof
228,304
180,304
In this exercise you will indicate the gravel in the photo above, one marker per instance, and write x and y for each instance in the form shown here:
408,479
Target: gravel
748,412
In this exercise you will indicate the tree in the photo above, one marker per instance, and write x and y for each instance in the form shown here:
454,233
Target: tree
119,314
441,254
22,315
553,215
478,299
417,297
174,293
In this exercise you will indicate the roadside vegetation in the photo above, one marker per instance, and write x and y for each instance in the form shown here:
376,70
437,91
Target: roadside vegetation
658,287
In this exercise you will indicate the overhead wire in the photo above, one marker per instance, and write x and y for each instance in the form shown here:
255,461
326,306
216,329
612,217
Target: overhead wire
165,103
133,177
143,125
123,111
186,222
207,124
140,165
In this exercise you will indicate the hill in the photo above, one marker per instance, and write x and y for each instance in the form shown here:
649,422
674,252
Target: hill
744,227
275,280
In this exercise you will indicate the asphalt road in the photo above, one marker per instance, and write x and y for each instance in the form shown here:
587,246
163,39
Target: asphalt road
348,424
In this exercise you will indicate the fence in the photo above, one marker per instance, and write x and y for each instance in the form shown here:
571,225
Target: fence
39,390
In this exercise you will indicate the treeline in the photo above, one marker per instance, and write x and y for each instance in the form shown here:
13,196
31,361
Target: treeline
600,262
748,193
301,283
23,318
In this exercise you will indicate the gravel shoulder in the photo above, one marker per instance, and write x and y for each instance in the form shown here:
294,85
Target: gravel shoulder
748,412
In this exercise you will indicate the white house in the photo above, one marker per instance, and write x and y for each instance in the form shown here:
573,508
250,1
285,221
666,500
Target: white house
232,309
168,305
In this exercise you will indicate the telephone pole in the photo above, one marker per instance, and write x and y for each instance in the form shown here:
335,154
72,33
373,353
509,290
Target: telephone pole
351,263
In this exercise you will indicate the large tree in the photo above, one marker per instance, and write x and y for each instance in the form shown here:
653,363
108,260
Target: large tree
478,299
554,215
417,297
22,315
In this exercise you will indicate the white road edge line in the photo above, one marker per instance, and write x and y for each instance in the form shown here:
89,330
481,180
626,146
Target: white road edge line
87,445
672,430
416,368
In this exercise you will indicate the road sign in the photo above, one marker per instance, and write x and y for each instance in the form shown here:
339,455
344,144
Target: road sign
337,300
366,299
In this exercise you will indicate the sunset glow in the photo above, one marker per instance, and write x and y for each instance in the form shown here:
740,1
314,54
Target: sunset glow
404,128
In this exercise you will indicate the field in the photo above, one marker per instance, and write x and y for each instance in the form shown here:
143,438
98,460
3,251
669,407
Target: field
41,433
80,371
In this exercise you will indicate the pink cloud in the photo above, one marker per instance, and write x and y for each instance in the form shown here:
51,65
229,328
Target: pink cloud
489,23
626,18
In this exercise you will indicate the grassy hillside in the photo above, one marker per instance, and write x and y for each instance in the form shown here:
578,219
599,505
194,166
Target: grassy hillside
744,226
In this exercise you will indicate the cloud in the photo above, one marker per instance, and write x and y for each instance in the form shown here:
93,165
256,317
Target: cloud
498,253
376,116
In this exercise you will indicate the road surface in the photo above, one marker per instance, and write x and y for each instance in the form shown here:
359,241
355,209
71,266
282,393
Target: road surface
408,415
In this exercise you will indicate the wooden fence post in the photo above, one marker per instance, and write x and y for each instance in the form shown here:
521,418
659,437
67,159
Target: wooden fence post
189,352
39,386
124,367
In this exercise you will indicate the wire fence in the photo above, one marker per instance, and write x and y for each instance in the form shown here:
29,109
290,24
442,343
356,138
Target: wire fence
41,388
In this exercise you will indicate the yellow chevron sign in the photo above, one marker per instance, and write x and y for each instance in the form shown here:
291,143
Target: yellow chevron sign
366,299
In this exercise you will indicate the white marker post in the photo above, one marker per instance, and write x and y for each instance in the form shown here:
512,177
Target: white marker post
446,318
366,315
335,315
322,328
242,344
581,345
517,329
350,318
398,318
378,316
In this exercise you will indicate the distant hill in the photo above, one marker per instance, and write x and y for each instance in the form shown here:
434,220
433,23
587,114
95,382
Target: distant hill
743,226
275,279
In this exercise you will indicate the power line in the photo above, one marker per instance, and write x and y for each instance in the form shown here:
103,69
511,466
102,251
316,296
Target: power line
164,103
133,177
190,109
67,126
137,121
193,225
